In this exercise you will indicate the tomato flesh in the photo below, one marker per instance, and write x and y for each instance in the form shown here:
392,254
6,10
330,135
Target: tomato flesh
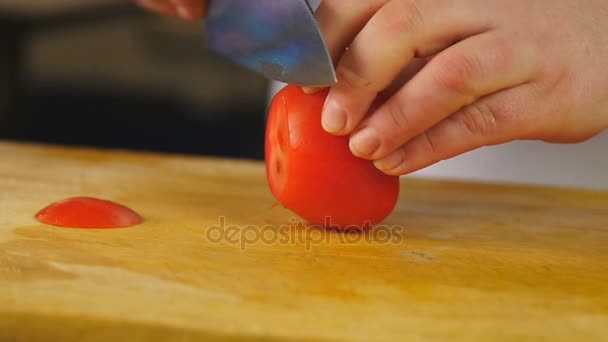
314,174
88,212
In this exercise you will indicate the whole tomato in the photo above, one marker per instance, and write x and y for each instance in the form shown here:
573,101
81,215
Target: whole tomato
314,174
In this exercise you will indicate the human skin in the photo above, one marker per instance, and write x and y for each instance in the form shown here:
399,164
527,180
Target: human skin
420,81
480,73
185,9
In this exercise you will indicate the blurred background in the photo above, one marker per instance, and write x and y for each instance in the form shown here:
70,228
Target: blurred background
105,73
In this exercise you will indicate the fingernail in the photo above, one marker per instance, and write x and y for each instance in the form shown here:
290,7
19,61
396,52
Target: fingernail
333,118
391,161
364,143
311,90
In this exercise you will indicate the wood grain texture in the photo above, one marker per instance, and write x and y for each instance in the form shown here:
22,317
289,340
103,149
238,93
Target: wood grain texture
472,261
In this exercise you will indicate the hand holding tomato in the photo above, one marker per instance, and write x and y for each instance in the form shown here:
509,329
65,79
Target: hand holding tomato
314,174
184,9
488,72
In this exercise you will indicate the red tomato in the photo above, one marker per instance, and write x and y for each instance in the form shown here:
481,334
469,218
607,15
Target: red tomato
314,174
87,212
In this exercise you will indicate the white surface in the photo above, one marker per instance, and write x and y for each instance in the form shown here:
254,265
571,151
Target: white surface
583,165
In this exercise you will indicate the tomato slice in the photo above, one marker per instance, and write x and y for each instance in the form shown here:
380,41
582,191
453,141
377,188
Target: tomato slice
88,212
314,174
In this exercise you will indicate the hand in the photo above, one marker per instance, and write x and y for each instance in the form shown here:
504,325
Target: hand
185,9
488,72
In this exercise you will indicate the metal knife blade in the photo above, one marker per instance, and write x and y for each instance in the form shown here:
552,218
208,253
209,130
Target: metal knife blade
279,38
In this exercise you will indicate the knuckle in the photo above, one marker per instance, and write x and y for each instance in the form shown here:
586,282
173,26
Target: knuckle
351,77
456,72
395,121
400,17
478,119
398,115
430,143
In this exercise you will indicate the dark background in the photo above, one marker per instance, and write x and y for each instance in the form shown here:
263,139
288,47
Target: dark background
105,73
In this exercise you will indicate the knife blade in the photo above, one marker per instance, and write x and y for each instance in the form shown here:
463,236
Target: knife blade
278,38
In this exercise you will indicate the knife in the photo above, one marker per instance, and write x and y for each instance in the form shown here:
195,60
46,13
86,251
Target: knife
279,38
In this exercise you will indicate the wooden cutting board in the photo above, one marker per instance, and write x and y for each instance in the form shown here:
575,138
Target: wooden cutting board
464,261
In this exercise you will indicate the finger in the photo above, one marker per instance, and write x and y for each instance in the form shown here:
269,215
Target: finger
498,118
158,6
414,67
416,64
399,31
190,9
456,77
340,21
